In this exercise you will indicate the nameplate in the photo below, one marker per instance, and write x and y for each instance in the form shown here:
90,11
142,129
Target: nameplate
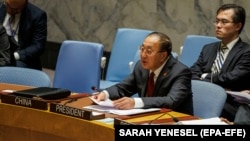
74,112
24,101
118,121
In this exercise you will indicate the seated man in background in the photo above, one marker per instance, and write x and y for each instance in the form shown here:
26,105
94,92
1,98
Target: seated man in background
226,63
242,116
26,26
5,54
171,80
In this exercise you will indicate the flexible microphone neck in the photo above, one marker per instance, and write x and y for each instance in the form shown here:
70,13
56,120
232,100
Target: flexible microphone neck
94,88
212,74
172,117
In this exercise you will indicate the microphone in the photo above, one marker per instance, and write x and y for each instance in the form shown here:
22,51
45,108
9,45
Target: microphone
70,101
103,62
131,65
94,88
176,120
103,65
212,74
74,98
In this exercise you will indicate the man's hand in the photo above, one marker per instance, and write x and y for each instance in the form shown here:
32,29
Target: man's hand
226,121
99,96
124,103
246,91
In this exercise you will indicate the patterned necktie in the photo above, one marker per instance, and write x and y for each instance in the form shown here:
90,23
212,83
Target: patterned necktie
218,62
12,20
150,86
12,25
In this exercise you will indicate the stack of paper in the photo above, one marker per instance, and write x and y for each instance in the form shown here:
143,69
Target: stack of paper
241,97
208,121
107,106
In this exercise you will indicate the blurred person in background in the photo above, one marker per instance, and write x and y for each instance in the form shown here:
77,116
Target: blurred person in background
227,62
26,26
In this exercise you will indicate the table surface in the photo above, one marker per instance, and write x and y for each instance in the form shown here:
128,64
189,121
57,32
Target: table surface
23,123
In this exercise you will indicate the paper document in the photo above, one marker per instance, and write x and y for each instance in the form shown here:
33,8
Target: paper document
108,106
7,91
119,112
241,97
133,111
208,121
108,102
99,108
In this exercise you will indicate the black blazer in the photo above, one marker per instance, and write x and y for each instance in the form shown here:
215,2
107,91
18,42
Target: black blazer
172,88
235,72
243,115
5,55
32,34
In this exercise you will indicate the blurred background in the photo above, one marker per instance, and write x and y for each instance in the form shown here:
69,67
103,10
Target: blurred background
98,20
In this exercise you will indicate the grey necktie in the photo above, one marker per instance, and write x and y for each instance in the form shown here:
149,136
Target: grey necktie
218,62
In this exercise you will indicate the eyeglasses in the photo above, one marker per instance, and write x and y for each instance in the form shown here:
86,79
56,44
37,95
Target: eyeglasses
148,51
223,22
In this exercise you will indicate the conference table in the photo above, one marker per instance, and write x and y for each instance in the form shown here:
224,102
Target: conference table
29,124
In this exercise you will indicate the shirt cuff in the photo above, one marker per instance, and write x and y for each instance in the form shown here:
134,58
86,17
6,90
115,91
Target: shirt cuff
204,75
106,93
138,103
16,55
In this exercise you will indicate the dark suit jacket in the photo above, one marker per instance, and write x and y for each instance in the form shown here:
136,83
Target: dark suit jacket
32,34
172,88
243,115
235,73
5,54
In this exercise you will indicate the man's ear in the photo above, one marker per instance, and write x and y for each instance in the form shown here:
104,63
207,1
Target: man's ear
164,55
239,25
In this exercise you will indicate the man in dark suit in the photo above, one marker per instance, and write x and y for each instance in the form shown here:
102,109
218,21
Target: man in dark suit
234,73
26,26
5,54
242,116
172,80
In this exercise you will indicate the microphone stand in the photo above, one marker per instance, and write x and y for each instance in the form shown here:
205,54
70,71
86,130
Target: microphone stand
176,120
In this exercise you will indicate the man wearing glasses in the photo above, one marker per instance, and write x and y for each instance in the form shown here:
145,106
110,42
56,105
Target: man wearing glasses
226,63
170,86
26,26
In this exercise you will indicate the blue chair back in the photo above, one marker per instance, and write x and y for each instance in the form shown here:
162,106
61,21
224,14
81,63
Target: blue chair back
208,99
24,76
78,66
125,46
192,47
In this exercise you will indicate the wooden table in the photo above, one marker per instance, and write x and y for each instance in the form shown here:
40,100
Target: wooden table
22,123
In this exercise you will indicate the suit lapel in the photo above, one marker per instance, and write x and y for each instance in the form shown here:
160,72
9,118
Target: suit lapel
213,50
2,13
231,55
163,75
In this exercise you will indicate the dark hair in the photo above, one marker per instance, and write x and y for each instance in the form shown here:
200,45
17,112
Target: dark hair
164,40
239,13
